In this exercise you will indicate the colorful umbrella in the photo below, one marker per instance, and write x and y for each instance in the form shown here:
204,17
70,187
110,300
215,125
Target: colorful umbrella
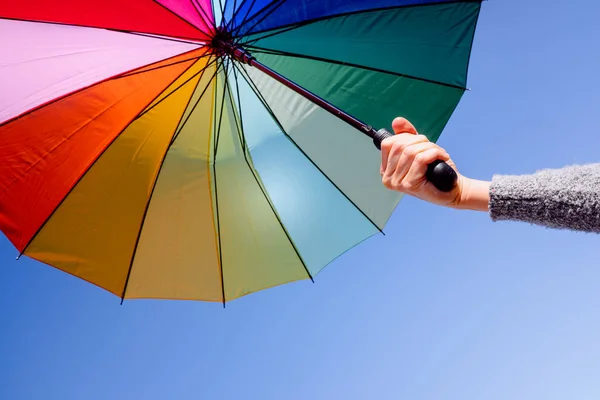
158,151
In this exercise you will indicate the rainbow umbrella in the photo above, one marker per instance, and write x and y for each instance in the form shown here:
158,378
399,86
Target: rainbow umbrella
179,149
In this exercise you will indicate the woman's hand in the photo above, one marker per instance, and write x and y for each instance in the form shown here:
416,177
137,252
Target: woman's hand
404,162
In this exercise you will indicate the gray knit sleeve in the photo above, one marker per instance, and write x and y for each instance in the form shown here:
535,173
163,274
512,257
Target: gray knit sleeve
567,198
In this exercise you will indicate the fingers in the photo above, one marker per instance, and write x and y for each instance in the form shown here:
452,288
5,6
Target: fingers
402,157
399,164
399,125
392,149
402,125
418,168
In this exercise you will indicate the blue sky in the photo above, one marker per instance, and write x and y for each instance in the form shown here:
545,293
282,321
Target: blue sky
492,311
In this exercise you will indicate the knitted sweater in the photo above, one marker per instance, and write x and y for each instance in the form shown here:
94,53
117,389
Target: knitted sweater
567,198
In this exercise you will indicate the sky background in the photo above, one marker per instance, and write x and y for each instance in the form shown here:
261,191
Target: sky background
493,311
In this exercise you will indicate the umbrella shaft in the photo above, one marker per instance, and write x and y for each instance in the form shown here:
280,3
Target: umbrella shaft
364,128
243,56
439,173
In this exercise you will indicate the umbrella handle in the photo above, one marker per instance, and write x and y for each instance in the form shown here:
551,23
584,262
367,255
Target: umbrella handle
439,173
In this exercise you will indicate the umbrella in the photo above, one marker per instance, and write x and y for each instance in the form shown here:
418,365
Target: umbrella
183,149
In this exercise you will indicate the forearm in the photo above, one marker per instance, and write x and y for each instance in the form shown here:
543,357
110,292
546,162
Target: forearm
567,198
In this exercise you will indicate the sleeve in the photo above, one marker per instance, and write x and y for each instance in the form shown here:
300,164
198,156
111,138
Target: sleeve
567,198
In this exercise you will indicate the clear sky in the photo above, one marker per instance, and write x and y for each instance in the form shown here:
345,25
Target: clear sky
447,306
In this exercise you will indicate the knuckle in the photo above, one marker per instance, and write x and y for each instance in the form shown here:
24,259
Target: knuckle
399,144
397,150
411,152
387,145
387,182
421,158
398,185
407,187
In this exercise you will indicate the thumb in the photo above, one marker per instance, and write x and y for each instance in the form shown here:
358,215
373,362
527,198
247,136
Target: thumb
402,125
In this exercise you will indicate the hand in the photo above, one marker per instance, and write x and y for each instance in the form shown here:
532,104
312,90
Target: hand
404,161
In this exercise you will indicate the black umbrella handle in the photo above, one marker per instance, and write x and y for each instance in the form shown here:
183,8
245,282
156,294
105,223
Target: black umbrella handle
439,173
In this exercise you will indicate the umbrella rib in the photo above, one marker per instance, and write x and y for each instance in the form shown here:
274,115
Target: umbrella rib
223,12
280,125
147,207
272,32
274,7
174,90
167,38
198,101
234,7
197,58
202,13
234,14
221,9
121,75
181,18
239,104
299,24
259,182
96,27
266,11
243,21
250,17
346,64
216,130
93,163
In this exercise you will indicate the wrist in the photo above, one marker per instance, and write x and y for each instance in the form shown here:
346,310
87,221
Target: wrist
474,195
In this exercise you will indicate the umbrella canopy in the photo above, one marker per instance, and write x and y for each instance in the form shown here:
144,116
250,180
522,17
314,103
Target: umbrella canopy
158,151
